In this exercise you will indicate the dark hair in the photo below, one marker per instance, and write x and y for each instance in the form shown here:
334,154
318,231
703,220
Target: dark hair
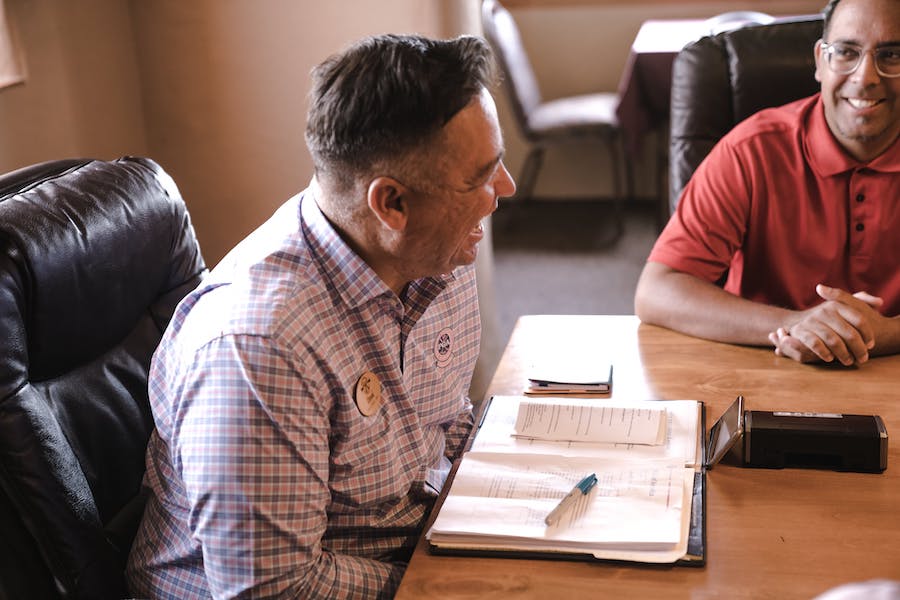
386,96
827,12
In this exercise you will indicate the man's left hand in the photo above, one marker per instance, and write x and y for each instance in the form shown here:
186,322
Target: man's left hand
841,323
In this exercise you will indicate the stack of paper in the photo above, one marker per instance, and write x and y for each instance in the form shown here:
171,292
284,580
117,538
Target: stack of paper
529,454
637,511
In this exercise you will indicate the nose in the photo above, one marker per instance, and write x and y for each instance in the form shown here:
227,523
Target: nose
866,72
504,186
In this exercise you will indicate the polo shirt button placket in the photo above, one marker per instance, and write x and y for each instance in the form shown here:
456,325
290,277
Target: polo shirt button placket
858,209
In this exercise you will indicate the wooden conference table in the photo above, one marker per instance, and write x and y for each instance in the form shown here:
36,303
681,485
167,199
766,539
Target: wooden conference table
779,534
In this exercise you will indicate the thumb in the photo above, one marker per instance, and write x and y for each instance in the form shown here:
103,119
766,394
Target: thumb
829,293
873,301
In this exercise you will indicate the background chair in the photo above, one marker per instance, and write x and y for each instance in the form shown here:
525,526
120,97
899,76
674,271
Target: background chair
718,81
94,256
734,19
545,123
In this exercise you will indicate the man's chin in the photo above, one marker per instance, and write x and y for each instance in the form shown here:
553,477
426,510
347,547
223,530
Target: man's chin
466,258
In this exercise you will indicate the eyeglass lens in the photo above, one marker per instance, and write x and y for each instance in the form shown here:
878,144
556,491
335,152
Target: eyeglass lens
845,58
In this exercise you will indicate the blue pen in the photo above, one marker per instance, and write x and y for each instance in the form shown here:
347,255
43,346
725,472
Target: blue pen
581,489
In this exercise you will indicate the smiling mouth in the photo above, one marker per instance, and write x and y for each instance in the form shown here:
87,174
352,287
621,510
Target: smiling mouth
862,102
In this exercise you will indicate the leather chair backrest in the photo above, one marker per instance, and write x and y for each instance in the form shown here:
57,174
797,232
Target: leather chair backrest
718,81
502,33
94,257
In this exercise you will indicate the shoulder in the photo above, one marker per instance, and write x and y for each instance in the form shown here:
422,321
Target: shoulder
258,287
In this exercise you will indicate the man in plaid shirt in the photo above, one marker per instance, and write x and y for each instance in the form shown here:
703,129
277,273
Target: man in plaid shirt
310,395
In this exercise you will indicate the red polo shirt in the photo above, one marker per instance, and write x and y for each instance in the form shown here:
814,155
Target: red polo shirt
782,207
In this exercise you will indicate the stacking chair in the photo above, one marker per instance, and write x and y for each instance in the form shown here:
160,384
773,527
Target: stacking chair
94,257
546,123
720,80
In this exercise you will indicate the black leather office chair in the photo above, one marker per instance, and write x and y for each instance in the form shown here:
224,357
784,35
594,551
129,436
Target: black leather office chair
545,123
721,80
94,256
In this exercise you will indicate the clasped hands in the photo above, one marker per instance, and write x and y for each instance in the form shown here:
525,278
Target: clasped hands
843,328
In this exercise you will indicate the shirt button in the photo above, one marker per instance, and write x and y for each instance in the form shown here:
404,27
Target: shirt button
860,197
860,226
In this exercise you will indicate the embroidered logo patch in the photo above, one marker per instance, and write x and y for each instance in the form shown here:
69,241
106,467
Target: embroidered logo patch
443,347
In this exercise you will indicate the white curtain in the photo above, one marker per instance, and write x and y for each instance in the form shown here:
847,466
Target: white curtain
12,68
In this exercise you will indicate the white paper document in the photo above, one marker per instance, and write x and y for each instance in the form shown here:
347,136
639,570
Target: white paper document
637,511
592,422
681,440
641,508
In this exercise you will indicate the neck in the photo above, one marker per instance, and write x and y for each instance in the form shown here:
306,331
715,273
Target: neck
360,231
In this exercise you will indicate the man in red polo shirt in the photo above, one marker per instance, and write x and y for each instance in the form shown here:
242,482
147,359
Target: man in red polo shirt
801,206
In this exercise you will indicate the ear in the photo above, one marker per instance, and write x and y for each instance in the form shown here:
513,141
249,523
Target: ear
388,199
817,50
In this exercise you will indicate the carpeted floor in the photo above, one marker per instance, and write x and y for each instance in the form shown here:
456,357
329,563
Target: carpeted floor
563,257
558,257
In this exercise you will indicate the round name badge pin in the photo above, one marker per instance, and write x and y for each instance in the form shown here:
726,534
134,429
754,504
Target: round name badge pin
368,394
443,347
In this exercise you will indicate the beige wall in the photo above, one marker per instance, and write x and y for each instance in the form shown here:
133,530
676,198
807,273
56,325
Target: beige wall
215,90
82,95
225,86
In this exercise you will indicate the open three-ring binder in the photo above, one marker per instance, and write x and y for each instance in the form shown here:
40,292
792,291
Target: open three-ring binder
648,505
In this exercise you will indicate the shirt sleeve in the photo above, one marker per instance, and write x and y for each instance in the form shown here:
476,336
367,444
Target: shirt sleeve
459,430
709,224
252,446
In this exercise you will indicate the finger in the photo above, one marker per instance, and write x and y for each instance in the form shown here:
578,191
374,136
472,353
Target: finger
820,339
833,339
852,307
827,292
773,338
789,348
873,301
855,325
793,348
776,336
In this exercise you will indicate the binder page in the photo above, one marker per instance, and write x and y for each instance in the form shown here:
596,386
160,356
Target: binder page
682,421
501,501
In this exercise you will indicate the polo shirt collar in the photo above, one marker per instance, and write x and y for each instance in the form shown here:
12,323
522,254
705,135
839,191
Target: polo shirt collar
351,276
827,157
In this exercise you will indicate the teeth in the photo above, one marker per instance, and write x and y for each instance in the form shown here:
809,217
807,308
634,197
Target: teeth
861,102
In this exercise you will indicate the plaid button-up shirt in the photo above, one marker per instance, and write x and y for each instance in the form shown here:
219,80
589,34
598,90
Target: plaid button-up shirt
267,479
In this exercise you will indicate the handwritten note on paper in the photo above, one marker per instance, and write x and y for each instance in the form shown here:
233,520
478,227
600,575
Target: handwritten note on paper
586,423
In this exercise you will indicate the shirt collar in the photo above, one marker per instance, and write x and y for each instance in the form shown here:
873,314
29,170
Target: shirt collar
827,157
351,276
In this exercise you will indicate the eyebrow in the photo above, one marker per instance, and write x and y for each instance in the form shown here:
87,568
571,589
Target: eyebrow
485,170
853,42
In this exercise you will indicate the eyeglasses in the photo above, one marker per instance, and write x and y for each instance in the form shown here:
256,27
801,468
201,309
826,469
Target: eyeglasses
844,58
